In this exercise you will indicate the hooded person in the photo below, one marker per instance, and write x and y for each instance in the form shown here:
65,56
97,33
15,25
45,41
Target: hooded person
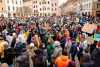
57,50
86,61
63,60
50,49
96,57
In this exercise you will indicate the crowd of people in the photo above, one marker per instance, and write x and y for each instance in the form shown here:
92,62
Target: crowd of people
47,44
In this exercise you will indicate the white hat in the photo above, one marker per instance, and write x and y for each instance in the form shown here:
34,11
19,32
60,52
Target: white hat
31,44
57,43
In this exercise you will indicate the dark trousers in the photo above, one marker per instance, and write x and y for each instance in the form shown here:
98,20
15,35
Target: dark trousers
73,57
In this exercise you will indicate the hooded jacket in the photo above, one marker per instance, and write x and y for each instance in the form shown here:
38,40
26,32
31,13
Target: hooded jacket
62,61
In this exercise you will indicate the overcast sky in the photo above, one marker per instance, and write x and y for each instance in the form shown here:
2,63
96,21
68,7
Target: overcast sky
61,2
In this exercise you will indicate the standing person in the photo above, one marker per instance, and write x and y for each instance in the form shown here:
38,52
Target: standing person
79,51
9,38
57,51
96,56
73,50
63,60
50,49
86,61
92,47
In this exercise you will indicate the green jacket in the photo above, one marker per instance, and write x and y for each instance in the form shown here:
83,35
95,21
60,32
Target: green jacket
50,50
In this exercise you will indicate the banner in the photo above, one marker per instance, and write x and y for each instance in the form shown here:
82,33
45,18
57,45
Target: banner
89,28
97,37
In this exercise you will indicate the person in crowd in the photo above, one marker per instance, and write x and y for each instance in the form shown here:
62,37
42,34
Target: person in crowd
64,60
86,61
4,65
79,51
50,49
96,56
57,51
73,50
3,47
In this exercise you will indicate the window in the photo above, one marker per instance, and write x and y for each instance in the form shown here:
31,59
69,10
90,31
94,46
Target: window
34,11
13,8
20,2
48,14
44,2
55,9
40,9
40,14
8,8
98,5
45,14
55,4
48,8
40,3
44,8
7,1
12,1
52,5
34,6
2,8
33,1
52,9
16,2
48,2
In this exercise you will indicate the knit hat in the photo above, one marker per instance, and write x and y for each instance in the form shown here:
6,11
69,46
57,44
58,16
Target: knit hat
57,43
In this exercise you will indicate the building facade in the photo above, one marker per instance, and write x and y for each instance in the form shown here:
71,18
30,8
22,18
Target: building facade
9,7
45,7
69,7
97,8
27,8
90,7
86,6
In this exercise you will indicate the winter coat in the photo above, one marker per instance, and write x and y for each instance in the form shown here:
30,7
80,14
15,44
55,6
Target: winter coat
63,42
86,65
50,50
39,59
73,50
96,57
87,62
62,61
57,52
